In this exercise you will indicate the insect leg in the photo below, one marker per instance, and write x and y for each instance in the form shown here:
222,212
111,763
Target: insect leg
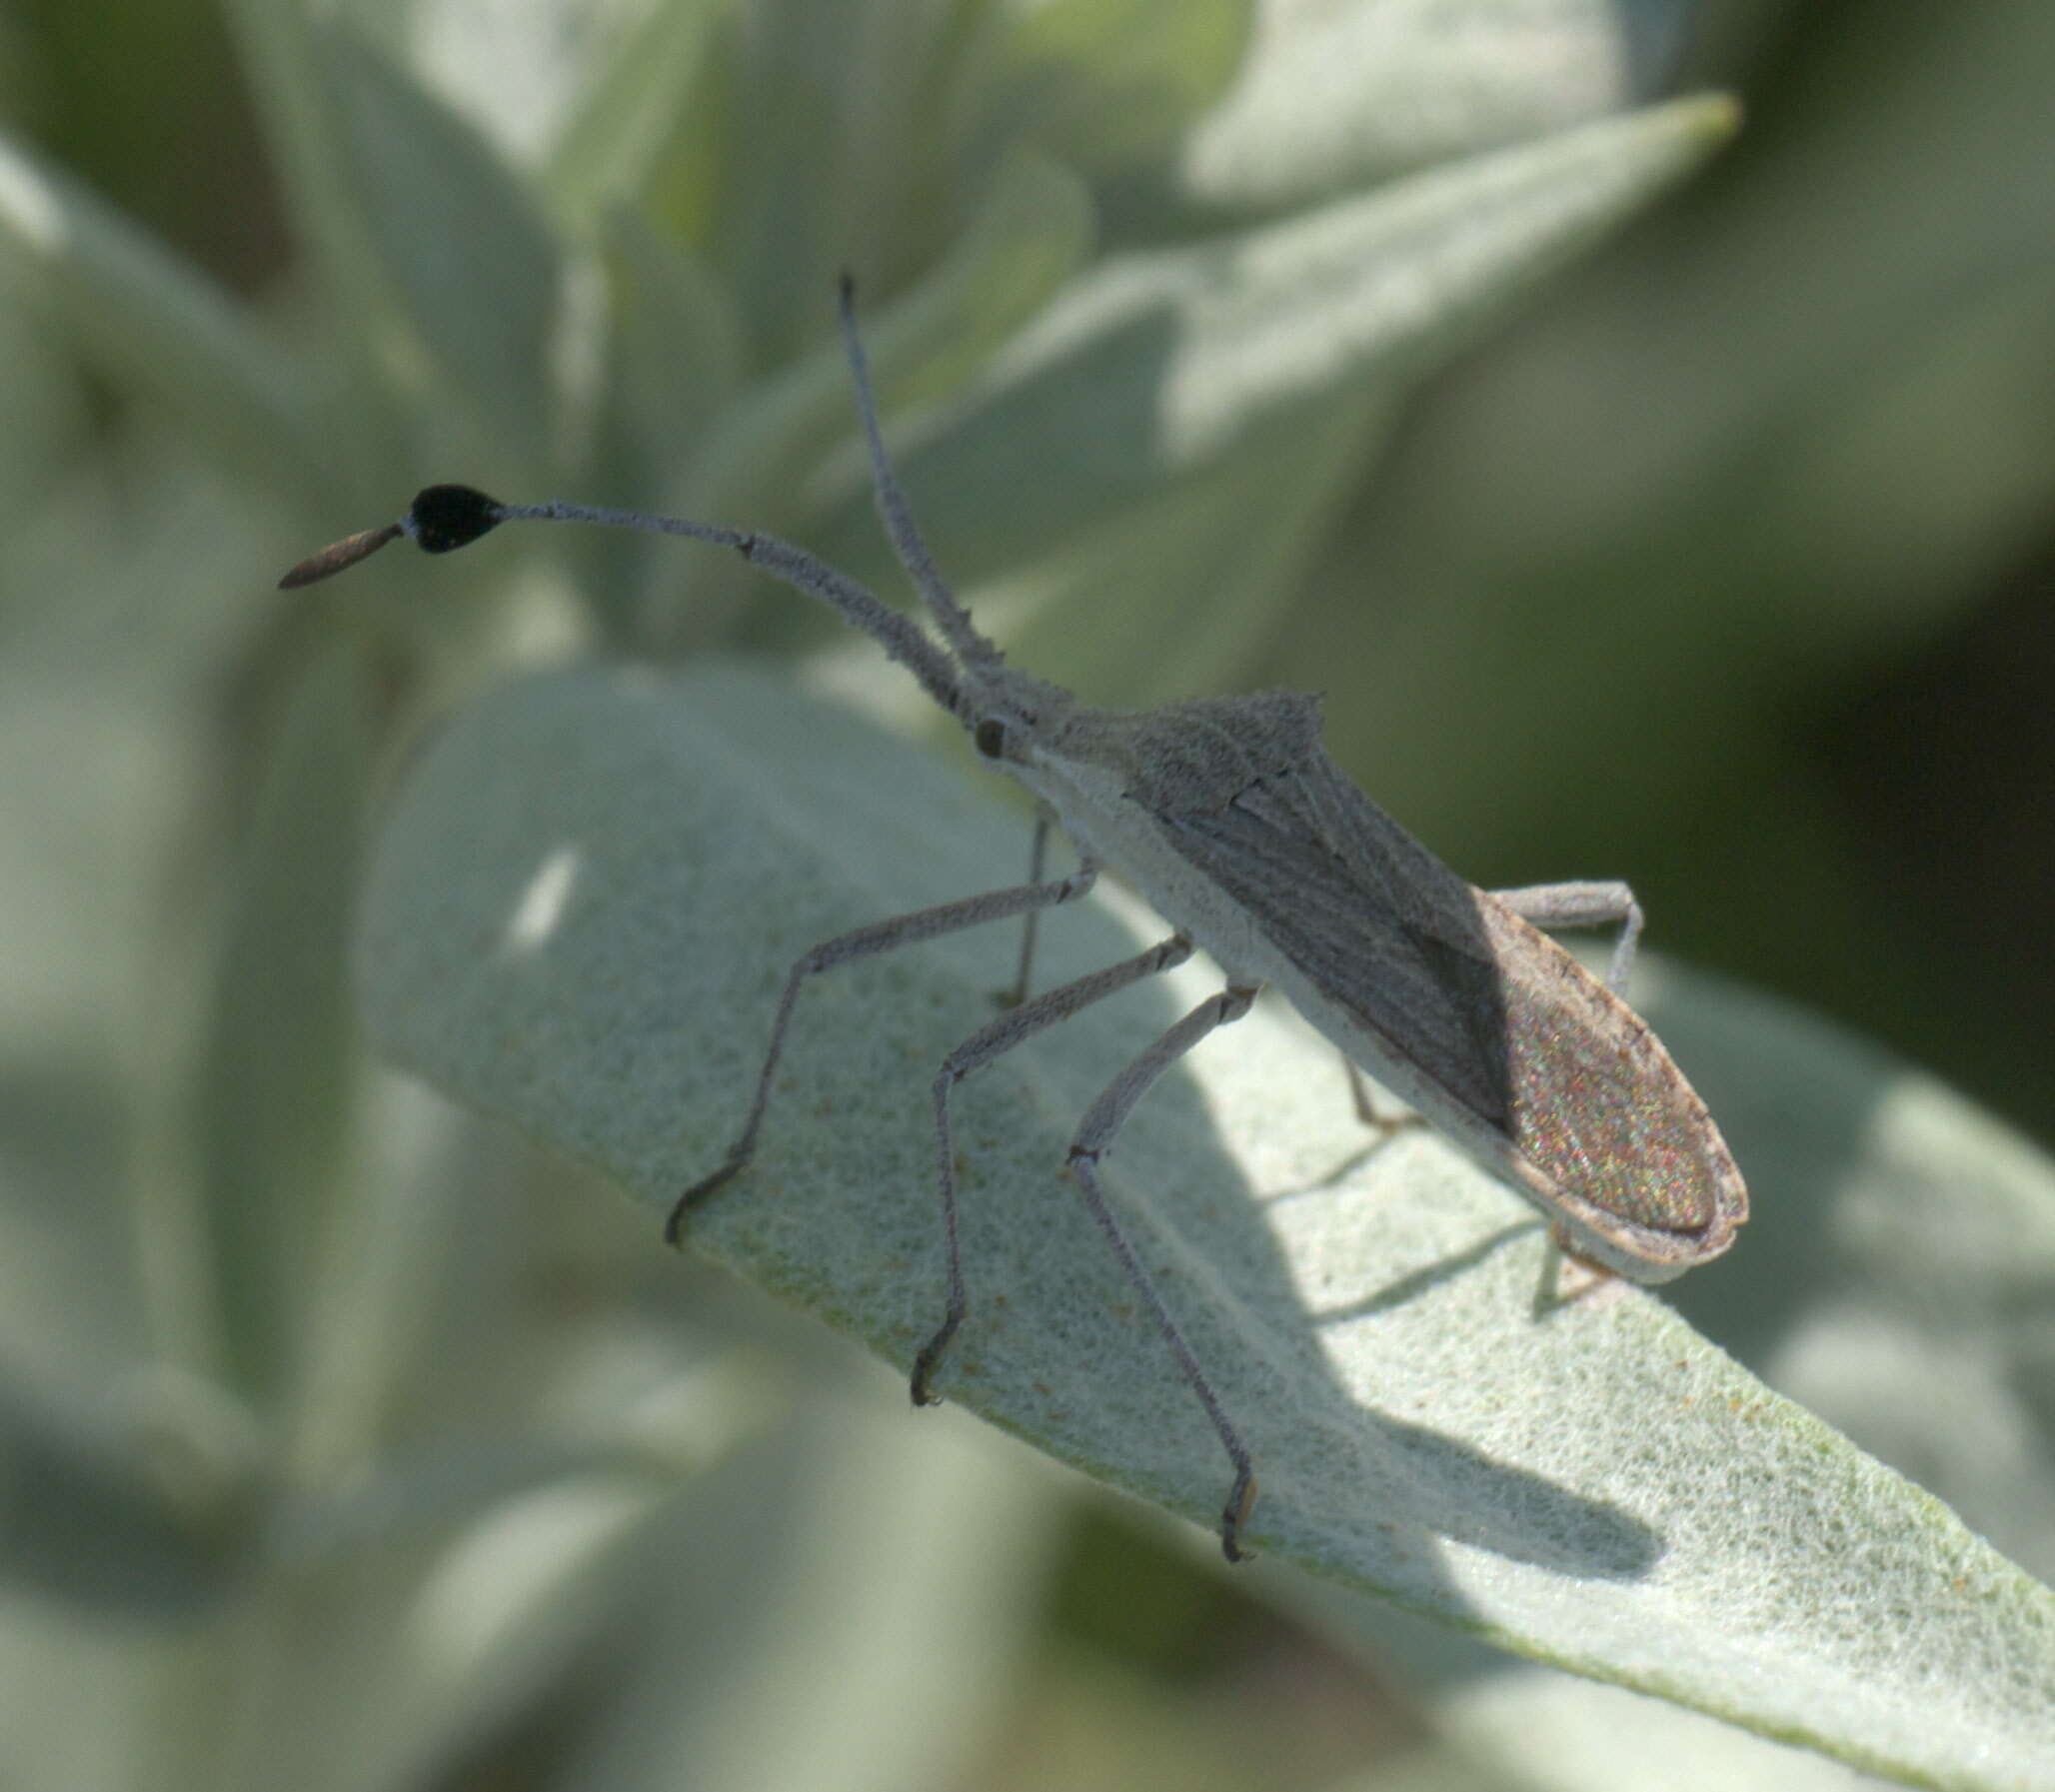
864,942
1016,992
974,1053
1094,1139
1584,906
1359,1093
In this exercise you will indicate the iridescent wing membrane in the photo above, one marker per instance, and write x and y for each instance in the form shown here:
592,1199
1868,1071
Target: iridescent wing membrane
1548,1081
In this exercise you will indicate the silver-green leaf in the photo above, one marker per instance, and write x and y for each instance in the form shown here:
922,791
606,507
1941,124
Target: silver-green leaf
584,904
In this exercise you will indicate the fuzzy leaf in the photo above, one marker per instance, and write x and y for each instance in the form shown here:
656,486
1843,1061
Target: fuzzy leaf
584,902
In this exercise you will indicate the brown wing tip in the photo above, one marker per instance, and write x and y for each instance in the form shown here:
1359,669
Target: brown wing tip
339,555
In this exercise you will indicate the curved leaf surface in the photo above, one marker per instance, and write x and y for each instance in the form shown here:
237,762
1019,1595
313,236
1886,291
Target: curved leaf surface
583,908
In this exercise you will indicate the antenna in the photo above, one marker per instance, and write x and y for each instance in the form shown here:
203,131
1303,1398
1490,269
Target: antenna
444,518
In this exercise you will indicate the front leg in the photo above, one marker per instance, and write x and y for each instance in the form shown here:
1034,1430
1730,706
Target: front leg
864,942
1016,992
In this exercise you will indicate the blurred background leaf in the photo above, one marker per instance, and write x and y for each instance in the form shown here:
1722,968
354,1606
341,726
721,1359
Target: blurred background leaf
348,1442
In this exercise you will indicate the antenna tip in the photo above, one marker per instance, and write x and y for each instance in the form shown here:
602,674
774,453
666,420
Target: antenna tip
339,555
440,518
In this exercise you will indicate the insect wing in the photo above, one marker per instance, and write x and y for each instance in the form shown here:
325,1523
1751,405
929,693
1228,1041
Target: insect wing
1601,1110
1369,918
1502,1037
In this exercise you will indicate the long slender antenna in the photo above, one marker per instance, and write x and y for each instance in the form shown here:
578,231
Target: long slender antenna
950,617
444,518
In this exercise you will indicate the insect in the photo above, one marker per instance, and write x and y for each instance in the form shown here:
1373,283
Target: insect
1228,816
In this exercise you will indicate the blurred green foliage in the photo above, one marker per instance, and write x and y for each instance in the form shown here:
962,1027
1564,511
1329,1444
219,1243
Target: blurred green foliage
348,1442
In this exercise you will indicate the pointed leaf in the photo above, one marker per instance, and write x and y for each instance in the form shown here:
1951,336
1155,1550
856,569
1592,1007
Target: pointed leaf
272,1098
1154,364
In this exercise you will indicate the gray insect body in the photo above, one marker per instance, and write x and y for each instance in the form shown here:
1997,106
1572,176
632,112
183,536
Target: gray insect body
1228,816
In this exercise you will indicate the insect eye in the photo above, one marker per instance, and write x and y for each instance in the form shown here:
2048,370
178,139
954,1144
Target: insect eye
989,736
